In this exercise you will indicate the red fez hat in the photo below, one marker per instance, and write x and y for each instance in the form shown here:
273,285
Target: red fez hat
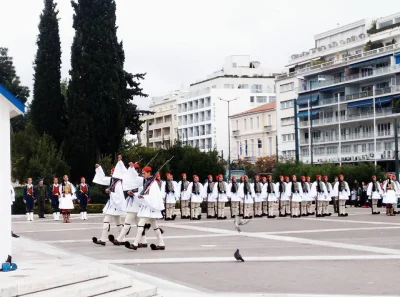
389,175
255,176
286,177
136,165
374,176
308,176
146,169
280,176
341,175
318,176
168,174
264,177
112,170
325,177
184,174
194,176
209,176
233,177
303,177
244,176
269,176
294,175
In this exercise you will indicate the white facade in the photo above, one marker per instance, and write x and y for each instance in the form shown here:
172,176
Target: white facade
348,96
203,115
254,133
9,108
160,129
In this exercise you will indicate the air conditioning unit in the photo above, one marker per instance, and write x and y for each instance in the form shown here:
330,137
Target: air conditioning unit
321,78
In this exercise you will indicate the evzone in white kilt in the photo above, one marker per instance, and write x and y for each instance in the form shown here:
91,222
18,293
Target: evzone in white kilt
395,209
184,198
246,194
306,201
283,199
116,204
328,197
133,183
149,211
342,191
195,194
269,190
374,192
220,195
318,192
256,188
170,193
210,199
233,190
295,192
390,191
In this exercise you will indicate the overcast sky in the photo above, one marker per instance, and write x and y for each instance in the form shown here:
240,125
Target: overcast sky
179,41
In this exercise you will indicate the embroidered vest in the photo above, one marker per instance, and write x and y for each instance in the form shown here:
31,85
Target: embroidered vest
195,188
257,188
234,188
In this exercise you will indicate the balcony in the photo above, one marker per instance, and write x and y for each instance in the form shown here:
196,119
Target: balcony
343,62
350,157
268,128
359,76
235,133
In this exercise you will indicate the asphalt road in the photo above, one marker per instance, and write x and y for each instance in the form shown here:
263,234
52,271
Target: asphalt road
358,254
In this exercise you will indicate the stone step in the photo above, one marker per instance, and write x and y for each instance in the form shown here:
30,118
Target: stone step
31,278
138,290
112,283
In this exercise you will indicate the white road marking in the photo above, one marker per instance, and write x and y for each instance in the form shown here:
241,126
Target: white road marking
352,221
208,245
294,239
329,230
250,259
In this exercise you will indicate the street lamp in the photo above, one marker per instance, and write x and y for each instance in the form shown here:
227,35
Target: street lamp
229,135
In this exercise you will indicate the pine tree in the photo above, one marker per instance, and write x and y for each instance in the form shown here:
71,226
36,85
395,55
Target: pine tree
47,108
10,79
99,91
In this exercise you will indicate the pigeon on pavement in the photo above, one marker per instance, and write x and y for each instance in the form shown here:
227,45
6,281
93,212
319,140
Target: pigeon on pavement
238,256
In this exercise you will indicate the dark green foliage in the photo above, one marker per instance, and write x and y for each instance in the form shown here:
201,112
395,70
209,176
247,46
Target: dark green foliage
100,91
35,156
359,172
9,78
48,108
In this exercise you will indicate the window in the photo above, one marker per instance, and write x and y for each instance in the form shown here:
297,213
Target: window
389,145
237,125
286,87
252,148
378,146
251,99
245,124
270,145
243,86
287,121
331,150
382,85
214,87
269,120
364,148
256,88
269,89
288,137
262,99
238,148
259,146
346,149
371,147
355,148
381,65
272,98
251,123
245,148
229,86
258,122
287,104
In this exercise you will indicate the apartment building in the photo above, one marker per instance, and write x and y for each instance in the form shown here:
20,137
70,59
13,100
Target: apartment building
254,133
347,90
203,114
160,128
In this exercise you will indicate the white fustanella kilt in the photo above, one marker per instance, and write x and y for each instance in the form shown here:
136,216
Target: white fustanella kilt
389,197
222,198
235,197
375,195
210,198
66,202
133,204
258,198
248,199
296,197
271,197
343,196
195,198
170,198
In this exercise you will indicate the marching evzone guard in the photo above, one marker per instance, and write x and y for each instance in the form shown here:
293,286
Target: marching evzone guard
264,204
83,197
395,211
211,214
374,192
54,194
150,210
220,194
29,199
305,187
310,200
67,195
184,198
257,196
281,194
295,192
270,190
341,190
389,196
335,198
133,183
116,204
233,190
241,203
246,194
195,193
327,197
170,193
318,192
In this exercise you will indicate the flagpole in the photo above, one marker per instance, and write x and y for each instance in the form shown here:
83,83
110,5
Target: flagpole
373,106
309,131
340,133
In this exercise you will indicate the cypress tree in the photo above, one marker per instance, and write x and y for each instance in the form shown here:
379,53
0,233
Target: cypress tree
99,90
47,108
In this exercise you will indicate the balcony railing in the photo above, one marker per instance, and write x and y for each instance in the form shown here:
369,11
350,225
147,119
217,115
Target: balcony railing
268,128
235,133
327,83
350,156
342,62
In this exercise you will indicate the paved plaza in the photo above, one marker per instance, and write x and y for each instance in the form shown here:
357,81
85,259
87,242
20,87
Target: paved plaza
354,255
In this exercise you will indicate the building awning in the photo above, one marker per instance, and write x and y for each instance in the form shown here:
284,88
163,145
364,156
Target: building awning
303,99
370,62
396,54
362,103
304,114
332,88
383,100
